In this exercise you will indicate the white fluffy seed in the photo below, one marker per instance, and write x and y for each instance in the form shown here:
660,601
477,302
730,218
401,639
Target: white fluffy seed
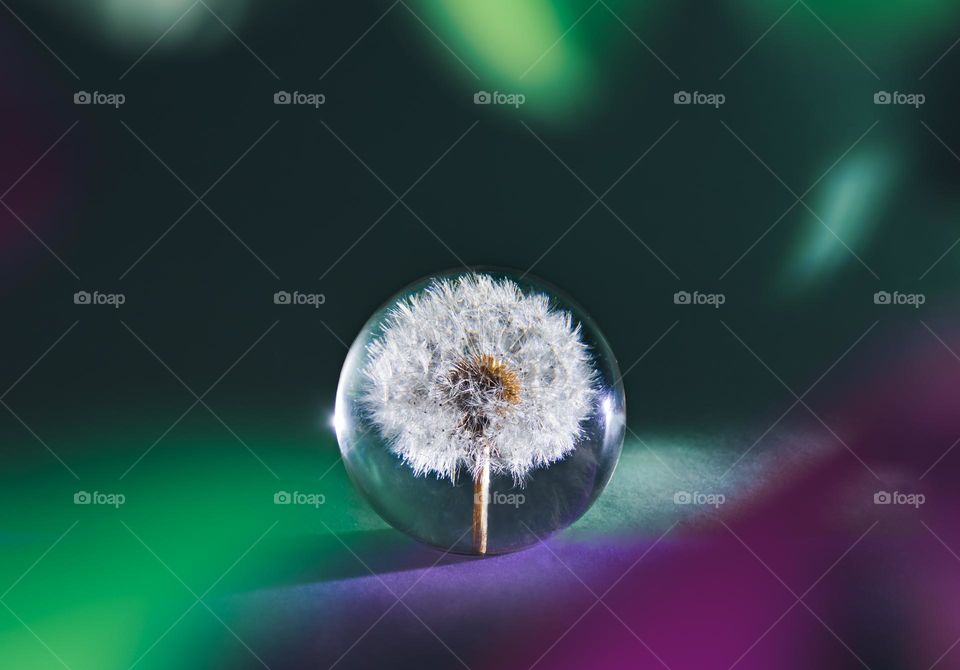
436,417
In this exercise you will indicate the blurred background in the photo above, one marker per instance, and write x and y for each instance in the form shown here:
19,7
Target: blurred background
757,201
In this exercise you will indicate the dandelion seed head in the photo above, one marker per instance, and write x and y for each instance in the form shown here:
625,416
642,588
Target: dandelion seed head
474,362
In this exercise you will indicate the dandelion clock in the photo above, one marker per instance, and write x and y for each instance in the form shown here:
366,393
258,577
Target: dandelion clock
480,412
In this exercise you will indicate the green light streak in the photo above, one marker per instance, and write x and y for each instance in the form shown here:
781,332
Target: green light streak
852,197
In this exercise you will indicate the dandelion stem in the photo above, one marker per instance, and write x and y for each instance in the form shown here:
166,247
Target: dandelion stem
481,500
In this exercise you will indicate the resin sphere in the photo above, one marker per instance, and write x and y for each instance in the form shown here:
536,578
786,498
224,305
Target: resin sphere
480,412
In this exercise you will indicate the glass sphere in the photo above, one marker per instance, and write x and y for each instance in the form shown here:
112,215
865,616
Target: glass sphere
480,412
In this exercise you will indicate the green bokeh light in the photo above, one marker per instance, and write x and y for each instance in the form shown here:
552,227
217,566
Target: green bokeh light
200,506
850,202
138,24
520,47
